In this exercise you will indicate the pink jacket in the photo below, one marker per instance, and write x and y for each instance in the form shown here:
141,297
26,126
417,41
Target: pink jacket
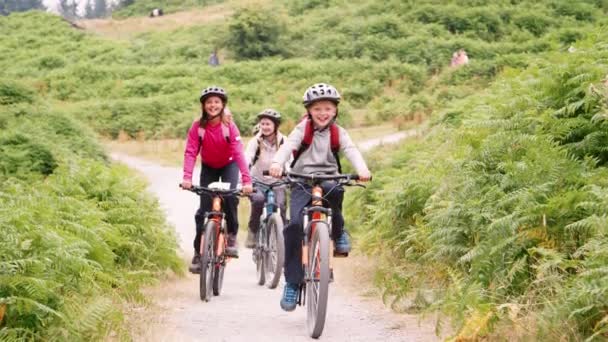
215,151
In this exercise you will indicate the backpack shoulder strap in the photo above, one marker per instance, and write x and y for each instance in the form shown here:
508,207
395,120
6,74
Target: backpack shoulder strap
334,134
306,141
334,137
201,135
226,132
258,140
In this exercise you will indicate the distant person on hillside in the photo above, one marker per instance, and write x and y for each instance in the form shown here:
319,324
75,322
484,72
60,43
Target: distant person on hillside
213,60
459,58
157,12
218,142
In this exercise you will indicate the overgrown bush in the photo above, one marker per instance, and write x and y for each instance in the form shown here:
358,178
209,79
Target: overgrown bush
497,217
255,33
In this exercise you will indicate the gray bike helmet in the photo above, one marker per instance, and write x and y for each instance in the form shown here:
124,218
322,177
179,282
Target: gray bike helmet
271,114
216,91
320,91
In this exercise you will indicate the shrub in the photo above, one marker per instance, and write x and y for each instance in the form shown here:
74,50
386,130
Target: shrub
12,93
19,156
536,24
255,33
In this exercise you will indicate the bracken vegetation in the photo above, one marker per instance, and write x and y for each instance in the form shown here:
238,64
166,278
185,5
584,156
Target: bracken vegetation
497,218
79,237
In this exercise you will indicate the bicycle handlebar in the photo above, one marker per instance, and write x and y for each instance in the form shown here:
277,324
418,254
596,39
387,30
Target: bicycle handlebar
313,177
269,185
343,179
199,190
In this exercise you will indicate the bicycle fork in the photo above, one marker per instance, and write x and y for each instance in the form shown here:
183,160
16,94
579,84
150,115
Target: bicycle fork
318,214
216,215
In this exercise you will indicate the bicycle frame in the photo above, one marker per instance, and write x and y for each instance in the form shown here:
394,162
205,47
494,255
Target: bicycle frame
216,214
318,214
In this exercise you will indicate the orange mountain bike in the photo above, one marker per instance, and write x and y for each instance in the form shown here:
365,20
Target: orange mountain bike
316,247
213,241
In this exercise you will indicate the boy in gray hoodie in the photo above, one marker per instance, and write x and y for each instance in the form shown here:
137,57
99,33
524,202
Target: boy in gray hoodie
321,101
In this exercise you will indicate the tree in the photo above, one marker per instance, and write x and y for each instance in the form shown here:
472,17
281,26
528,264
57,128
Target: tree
89,11
8,6
254,34
68,9
101,8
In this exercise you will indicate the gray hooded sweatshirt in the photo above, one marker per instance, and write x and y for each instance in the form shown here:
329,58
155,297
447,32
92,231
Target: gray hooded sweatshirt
318,158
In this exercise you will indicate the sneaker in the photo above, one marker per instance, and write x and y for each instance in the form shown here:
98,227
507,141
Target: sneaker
195,264
251,240
290,296
342,244
232,248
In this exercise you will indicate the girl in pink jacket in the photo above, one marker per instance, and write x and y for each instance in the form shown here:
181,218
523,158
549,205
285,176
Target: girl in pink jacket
218,142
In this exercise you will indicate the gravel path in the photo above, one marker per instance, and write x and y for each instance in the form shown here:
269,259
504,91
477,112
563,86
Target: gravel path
246,311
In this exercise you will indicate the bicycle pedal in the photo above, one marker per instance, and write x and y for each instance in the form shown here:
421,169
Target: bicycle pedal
340,255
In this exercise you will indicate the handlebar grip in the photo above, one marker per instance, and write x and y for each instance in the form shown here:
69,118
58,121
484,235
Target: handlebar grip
267,173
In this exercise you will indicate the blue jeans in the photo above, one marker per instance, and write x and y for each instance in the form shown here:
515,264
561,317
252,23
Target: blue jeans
294,232
229,173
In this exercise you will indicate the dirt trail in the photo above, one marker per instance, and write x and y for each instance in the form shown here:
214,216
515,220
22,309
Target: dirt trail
246,311
367,145
129,27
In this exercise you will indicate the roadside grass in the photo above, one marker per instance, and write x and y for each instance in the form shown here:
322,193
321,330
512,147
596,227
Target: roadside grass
170,152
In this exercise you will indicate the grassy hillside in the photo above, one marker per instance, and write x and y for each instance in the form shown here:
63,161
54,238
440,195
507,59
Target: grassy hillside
498,216
389,59
79,236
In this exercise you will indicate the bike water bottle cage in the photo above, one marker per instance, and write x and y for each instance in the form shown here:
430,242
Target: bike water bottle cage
309,131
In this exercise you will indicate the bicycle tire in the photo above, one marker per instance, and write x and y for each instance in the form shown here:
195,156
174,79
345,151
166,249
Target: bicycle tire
207,260
276,244
218,278
260,257
317,288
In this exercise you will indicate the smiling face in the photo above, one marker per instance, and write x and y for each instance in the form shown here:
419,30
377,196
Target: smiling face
266,126
213,105
322,112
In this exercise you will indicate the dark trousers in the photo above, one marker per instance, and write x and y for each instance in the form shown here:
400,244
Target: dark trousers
294,232
229,174
258,198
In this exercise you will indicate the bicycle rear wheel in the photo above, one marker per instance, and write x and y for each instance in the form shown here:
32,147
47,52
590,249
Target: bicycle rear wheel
275,256
317,287
207,261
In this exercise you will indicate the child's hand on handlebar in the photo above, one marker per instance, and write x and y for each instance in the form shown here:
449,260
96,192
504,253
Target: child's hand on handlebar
186,185
365,176
247,189
275,170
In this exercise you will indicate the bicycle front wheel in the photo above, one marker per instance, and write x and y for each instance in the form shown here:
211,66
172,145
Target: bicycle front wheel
207,261
259,256
275,257
218,278
317,287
